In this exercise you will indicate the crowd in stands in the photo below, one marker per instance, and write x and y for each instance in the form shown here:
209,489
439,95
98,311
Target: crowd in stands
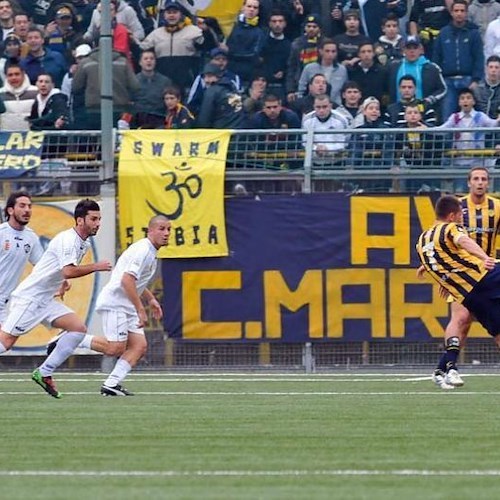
371,65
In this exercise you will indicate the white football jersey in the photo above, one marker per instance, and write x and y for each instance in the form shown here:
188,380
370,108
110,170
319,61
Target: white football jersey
66,248
16,249
139,260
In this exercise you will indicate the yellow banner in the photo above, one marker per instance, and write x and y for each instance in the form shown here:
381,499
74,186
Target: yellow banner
180,174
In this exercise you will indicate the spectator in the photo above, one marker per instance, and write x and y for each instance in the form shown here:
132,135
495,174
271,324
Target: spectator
21,27
468,118
492,39
373,11
351,109
176,45
6,19
245,42
177,115
61,34
335,73
253,100
369,74
395,113
11,52
86,80
125,14
427,17
317,85
275,53
76,102
50,109
222,104
349,42
18,96
151,90
336,17
458,51
372,147
487,92
304,50
482,13
218,57
416,149
274,116
295,12
40,59
323,118
431,87
389,47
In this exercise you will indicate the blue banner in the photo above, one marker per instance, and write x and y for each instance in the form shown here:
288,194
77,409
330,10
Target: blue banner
19,153
310,267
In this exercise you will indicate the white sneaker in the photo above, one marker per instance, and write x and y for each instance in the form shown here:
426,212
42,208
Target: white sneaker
453,378
438,377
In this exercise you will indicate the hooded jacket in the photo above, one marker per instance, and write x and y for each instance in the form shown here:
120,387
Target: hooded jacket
18,102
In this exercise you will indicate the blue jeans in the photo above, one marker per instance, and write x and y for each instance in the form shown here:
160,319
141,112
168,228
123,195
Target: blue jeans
450,100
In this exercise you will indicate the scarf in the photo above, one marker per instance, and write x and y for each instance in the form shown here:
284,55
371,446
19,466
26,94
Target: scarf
248,22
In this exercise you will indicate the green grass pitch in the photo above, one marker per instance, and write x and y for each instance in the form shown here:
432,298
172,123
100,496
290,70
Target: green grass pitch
351,435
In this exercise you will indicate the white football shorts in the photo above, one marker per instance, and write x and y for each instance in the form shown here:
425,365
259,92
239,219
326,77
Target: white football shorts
116,325
23,315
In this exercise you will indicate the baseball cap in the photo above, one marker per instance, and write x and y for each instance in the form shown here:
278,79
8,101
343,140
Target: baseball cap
83,50
217,52
171,5
368,101
212,69
413,40
12,38
64,12
313,18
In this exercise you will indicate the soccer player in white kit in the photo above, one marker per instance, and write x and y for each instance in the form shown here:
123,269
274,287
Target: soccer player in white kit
121,307
18,245
33,302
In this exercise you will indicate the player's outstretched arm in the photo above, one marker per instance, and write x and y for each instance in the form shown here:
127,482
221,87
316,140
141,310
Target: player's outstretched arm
473,248
72,271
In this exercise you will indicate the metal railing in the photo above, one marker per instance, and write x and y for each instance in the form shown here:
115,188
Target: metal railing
383,160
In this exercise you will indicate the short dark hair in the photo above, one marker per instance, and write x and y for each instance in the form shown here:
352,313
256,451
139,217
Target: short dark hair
474,169
83,207
409,78
391,16
493,58
271,98
350,84
327,41
447,204
12,199
465,91
172,90
460,2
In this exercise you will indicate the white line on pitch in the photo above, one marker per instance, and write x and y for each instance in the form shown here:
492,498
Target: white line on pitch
248,473
271,393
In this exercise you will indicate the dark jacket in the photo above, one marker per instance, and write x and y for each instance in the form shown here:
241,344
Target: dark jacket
56,107
433,85
302,52
488,98
459,51
51,62
372,82
222,107
244,44
373,147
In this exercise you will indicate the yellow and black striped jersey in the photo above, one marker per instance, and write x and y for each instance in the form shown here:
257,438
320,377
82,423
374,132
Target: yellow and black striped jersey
451,266
482,222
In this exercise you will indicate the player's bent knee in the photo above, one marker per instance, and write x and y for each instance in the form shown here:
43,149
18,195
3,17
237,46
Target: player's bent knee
115,349
453,343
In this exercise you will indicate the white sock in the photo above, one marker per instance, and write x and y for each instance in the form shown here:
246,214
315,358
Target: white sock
64,349
86,342
120,371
